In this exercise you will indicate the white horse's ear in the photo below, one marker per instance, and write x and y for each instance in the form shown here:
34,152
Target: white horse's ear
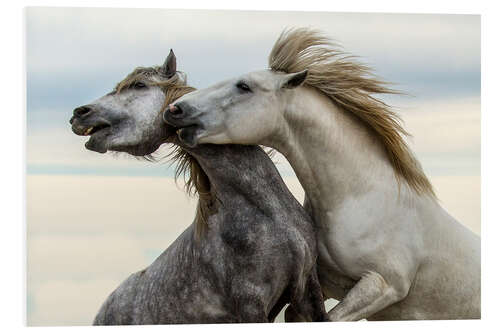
294,80
169,68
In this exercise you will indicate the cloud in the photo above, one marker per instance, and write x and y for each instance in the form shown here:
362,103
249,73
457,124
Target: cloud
77,54
99,31
441,126
105,204
87,234
82,256
446,136
67,302
461,197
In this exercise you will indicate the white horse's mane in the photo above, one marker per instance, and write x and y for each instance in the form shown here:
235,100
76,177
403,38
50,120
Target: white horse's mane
350,85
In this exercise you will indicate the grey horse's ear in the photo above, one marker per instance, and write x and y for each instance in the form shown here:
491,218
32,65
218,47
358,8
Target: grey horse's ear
169,68
294,80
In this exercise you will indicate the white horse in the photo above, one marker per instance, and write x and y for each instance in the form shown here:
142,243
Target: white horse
387,249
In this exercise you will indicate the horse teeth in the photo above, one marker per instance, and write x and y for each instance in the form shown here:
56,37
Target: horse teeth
89,130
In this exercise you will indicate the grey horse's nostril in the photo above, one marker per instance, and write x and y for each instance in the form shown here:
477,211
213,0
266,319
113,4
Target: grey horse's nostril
81,111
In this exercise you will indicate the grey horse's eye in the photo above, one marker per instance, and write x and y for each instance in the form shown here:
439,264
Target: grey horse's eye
242,86
139,85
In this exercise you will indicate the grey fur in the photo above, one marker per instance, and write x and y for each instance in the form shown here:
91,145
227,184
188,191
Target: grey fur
257,254
257,250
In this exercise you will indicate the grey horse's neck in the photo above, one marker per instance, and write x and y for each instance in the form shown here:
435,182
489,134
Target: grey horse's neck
238,170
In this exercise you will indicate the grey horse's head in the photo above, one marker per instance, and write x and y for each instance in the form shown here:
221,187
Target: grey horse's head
129,119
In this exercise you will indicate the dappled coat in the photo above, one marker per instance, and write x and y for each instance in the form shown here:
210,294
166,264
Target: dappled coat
254,252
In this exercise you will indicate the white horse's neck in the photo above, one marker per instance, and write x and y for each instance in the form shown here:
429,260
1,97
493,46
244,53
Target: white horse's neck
334,155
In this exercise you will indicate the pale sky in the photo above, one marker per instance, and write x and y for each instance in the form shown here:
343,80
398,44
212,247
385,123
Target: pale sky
94,219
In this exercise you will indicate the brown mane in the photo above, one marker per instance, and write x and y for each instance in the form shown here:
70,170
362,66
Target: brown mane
195,179
351,86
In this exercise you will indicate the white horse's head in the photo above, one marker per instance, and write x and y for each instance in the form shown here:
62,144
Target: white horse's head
128,119
243,110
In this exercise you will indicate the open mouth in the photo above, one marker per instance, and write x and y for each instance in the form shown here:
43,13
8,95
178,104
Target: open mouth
94,129
97,141
97,130
85,130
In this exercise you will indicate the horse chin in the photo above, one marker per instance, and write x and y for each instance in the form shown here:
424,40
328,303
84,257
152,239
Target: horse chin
95,145
189,135
98,141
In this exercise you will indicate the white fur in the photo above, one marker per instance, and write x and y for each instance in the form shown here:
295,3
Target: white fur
385,251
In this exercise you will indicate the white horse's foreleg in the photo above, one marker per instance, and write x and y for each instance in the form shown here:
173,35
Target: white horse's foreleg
371,294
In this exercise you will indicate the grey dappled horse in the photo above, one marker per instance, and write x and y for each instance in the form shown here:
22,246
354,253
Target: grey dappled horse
251,249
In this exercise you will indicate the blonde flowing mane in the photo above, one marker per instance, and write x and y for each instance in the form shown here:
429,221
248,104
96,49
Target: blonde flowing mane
196,181
350,85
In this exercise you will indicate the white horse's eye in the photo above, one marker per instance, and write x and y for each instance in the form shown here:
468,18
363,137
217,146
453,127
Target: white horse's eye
243,87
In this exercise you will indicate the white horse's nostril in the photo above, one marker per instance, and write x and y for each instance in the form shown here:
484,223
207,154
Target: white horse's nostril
175,110
172,108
